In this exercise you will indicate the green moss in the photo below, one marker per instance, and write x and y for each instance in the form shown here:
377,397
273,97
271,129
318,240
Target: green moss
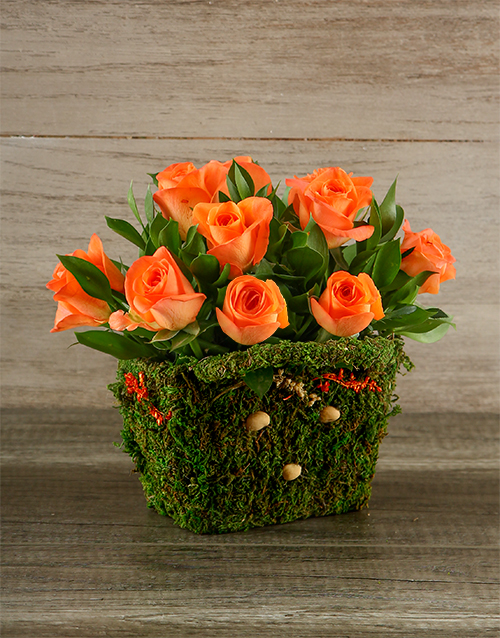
205,470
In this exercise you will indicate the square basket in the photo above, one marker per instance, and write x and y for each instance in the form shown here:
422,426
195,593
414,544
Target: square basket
203,462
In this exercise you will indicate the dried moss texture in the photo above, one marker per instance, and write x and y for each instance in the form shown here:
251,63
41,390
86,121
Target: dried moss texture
205,470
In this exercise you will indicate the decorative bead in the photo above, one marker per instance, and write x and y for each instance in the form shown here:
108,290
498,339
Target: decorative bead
257,421
329,414
291,471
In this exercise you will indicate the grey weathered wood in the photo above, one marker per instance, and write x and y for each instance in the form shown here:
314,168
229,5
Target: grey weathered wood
345,83
56,193
356,70
83,556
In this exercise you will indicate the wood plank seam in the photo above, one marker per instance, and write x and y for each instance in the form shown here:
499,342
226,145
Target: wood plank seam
244,138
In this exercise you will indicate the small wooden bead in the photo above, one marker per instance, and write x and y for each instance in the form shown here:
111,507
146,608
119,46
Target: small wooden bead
329,414
257,421
291,471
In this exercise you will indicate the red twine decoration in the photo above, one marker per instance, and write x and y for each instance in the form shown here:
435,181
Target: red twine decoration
138,387
351,383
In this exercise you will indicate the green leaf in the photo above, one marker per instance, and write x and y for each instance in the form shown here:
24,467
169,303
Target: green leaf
114,344
403,318
223,197
149,208
233,190
262,192
391,233
155,228
164,335
299,239
224,276
299,304
133,205
407,252
154,178
193,246
305,261
376,222
408,292
277,233
244,182
120,300
339,258
182,339
150,248
221,293
260,380
184,269
362,261
121,266
388,213
123,228
206,268
91,279
348,253
279,207
430,336
387,263
398,282
192,328
169,236
323,336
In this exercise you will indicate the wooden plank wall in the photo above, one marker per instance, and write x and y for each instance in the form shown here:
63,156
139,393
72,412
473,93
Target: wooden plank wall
95,94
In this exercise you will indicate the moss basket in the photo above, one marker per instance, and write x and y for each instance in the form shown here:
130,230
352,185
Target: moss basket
186,427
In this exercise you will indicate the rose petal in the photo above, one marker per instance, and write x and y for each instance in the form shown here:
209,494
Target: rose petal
341,327
175,313
248,335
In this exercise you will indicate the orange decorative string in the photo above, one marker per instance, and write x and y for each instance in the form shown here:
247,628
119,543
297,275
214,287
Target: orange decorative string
351,383
158,416
138,387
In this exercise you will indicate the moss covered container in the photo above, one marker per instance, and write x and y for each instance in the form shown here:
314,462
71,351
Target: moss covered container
208,463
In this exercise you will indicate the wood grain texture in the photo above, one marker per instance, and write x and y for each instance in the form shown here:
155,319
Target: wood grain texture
376,86
356,70
83,556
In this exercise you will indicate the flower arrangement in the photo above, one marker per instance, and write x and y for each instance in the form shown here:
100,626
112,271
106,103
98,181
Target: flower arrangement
259,337
225,263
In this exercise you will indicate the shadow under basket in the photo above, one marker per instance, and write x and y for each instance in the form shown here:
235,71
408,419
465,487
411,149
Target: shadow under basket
186,429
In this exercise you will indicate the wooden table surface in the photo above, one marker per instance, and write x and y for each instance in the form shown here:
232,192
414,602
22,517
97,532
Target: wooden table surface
83,555
97,93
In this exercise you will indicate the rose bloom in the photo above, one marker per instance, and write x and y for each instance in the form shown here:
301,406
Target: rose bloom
182,186
348,305
75,307
429,254
237,234
253,310
159,295
333,198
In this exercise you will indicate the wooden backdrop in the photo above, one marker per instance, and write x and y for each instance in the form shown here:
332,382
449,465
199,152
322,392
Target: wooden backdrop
98,93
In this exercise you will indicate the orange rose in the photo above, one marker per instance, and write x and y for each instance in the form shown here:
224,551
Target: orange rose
429,254
177,197
333,198
237,234
182,186
159,295
253,310
173,174
348,304
75,307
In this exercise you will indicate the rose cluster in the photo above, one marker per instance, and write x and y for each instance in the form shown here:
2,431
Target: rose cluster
224,262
